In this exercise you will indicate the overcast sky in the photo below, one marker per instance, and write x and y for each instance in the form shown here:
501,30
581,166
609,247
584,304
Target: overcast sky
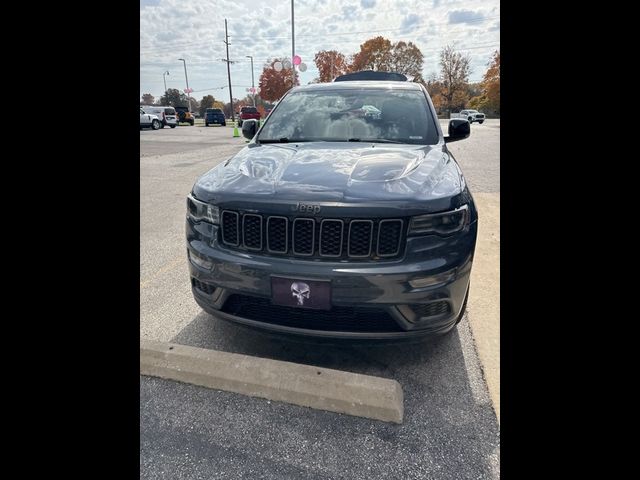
194,30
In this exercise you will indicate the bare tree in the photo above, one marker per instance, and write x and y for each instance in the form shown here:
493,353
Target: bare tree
454,74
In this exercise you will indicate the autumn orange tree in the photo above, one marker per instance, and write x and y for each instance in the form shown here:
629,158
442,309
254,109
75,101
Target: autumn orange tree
374,54
380,54
274,84
330,64
434,87
489,96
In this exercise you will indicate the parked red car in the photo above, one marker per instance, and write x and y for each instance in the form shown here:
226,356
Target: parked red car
247,113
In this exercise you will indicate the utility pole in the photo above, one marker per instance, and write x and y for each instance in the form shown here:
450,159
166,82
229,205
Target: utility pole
226,41
293,48
253,85
187,79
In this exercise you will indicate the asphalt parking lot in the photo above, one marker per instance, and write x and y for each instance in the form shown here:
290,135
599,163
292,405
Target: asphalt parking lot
450,428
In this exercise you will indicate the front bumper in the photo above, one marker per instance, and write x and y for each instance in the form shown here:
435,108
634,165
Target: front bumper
378,294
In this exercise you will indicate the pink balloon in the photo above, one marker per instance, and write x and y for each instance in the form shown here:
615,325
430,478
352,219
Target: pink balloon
296,60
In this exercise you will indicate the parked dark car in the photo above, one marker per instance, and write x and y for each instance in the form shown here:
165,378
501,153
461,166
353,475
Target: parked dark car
214,116
247,113
337,224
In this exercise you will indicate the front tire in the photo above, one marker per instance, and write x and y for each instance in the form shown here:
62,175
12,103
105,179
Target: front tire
172,126
239,123
155,125
224,124
470,119
480,122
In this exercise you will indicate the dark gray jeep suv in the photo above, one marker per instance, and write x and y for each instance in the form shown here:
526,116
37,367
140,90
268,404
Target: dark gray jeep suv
345,216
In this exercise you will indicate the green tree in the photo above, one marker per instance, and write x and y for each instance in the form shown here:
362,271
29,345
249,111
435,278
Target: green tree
478,102
174,98
474,89
206,102
148,99
227,107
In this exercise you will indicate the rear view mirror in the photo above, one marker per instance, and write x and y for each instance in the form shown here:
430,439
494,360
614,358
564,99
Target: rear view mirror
249,128
459,129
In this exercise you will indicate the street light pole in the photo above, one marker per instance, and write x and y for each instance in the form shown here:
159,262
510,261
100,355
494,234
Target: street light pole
293,48
165,82
187,79
226,42
253,85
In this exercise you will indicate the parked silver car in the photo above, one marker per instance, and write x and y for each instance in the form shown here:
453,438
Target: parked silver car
472,116
148,120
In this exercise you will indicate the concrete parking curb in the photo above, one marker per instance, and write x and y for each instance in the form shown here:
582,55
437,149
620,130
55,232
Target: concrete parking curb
320,388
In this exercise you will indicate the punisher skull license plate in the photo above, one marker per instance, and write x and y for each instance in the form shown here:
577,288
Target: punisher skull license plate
292,292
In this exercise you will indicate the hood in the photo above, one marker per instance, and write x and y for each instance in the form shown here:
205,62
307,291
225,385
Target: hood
334,172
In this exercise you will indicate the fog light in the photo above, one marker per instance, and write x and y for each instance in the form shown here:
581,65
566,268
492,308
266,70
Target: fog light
200,262
431,280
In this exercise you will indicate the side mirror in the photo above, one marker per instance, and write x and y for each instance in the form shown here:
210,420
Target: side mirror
459,129
249,128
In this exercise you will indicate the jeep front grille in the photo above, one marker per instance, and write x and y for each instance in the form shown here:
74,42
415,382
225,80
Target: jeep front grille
326,238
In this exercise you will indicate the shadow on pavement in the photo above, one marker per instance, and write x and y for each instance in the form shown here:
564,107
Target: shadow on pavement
449,429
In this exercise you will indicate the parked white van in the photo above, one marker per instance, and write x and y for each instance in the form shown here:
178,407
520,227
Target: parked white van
166,114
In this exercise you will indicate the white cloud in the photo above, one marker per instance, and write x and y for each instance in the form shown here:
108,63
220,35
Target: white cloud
410,21
465,16
194,30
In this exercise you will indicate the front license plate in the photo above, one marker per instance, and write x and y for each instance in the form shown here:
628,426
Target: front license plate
292,292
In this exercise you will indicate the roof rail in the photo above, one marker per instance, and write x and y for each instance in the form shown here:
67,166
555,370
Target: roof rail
371,75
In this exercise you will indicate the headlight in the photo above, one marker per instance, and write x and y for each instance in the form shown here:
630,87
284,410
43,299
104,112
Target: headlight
198,210
440,223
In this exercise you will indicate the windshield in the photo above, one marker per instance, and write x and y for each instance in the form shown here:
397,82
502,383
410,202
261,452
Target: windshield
214,110
249,110
367,114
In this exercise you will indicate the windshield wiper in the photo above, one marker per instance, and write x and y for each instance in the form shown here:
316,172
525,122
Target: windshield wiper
274,140
373,140
283,140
